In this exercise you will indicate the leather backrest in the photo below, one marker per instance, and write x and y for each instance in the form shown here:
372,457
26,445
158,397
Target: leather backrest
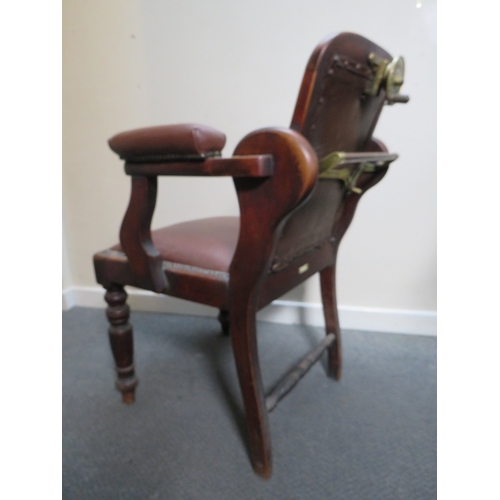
335,113
333,110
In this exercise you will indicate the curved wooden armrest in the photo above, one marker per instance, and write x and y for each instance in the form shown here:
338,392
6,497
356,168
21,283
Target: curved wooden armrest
135,233
237,166
266,204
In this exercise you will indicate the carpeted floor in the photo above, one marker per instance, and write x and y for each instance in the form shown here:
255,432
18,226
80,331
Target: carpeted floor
371,436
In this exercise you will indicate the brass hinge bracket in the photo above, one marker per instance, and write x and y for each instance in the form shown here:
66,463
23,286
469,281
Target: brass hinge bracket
388,74
380,65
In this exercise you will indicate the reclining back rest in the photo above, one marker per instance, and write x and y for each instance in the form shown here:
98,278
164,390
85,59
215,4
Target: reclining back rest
334,112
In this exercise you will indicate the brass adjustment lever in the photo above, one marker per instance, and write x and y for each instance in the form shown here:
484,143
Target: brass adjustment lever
389,74
367,162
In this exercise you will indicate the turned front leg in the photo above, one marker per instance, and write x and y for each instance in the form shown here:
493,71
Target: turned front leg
121,339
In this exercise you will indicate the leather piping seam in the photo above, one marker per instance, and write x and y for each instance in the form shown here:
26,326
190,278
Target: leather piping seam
175,266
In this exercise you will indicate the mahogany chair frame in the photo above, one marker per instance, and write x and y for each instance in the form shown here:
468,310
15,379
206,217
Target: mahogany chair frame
275,173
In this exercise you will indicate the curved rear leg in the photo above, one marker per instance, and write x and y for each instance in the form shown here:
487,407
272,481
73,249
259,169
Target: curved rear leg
243,336
121,340
329,298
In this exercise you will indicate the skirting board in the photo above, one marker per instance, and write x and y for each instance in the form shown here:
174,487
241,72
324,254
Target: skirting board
279,311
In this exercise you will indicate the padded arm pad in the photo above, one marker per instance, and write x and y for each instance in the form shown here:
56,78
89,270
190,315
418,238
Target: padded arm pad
183,142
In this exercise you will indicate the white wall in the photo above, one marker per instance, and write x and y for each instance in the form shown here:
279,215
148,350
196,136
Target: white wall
237,66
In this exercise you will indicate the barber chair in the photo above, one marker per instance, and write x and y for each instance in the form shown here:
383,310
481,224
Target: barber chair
297,189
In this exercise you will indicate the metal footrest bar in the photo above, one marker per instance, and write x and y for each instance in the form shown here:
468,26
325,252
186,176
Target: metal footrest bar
288,382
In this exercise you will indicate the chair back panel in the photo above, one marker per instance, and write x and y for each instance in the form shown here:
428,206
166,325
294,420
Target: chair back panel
335,113
333,110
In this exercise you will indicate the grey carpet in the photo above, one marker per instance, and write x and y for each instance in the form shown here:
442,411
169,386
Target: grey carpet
371,436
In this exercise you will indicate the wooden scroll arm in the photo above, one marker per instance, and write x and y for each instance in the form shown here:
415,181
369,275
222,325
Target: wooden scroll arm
266,203
135,233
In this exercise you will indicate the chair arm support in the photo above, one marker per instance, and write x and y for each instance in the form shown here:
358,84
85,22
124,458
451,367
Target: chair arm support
266,199
135,235
237,166
266,204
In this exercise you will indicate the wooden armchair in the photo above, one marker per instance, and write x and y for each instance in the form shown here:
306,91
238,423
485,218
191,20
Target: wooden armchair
297,189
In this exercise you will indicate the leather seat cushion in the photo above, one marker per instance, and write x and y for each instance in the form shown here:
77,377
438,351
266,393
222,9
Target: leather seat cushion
168,142
206,243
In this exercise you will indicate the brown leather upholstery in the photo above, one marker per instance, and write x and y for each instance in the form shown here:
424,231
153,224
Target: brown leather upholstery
203,243
183,141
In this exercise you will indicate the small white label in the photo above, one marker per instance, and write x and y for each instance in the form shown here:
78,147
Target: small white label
304,268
